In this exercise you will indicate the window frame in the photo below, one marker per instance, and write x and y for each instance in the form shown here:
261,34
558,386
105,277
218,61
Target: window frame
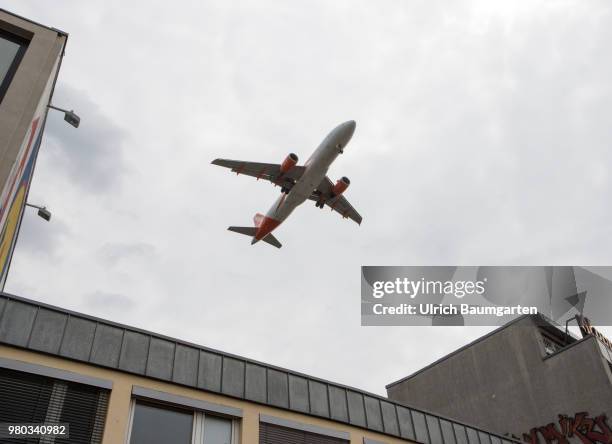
546,338
54,400
10,73
304,427
199,416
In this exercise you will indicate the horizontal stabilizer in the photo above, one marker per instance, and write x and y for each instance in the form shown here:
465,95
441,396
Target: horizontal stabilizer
248,231
270,239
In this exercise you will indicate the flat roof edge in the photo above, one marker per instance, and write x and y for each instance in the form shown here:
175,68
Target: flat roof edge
51,28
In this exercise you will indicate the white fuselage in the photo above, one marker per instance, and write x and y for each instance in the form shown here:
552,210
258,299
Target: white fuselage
316,170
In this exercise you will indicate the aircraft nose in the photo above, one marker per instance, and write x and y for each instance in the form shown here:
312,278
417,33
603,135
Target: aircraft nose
348,128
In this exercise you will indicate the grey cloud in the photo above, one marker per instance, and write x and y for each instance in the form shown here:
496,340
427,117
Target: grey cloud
91,156
108,301
40,238
112,253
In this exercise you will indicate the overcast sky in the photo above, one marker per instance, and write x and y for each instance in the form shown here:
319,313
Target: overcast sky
483,138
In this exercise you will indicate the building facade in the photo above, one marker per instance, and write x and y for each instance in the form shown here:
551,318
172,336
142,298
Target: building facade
30,58
116,384
527,379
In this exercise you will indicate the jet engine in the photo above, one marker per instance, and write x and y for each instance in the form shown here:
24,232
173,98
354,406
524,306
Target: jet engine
290,161
341,186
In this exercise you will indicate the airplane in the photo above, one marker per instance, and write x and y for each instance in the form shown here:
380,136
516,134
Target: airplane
298,183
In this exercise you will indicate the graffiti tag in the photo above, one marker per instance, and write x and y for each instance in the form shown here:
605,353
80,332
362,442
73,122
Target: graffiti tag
587,429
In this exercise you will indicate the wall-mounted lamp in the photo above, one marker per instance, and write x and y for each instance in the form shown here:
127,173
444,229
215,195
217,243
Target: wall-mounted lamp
69,116
42,211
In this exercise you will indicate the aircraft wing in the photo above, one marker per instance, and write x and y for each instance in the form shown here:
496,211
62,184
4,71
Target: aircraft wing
267,171
338,203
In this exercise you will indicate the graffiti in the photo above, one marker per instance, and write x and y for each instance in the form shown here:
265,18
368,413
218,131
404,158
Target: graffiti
587,329
581,426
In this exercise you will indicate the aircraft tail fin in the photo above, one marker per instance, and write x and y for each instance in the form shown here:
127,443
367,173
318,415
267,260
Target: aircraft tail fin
257,219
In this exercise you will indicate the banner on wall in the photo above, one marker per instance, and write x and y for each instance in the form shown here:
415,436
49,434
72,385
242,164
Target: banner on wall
15,191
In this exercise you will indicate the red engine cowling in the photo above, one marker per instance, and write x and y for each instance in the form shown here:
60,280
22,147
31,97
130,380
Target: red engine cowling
341,186
290,161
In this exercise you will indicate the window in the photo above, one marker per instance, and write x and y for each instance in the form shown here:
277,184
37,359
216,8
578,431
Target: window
161,424
12,49
217,430
551,344
275,434
33,398
153,425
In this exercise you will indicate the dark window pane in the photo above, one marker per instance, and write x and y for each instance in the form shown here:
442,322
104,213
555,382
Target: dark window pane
31,398
25,397
160,425
217,430
8,52
420,429
12,49
84,408
272,434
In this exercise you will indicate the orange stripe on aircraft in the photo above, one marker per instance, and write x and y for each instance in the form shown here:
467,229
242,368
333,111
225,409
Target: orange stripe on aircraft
267,225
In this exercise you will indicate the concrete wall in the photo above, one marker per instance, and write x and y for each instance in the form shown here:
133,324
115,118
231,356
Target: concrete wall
506,384
19,103
117,420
